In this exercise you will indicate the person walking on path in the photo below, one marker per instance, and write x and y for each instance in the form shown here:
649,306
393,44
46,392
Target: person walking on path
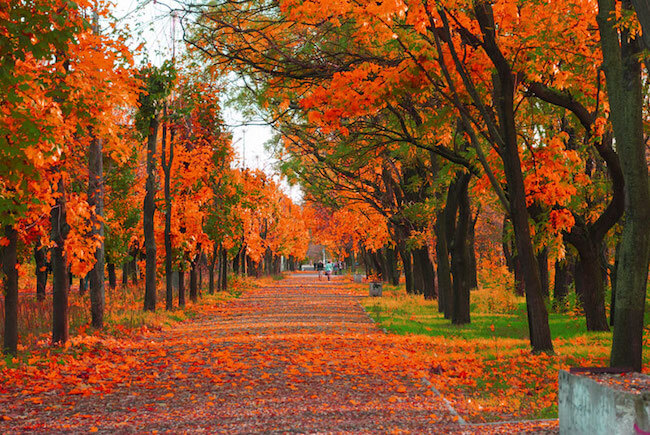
328,269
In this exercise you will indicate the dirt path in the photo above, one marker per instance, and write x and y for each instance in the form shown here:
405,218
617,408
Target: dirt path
300,356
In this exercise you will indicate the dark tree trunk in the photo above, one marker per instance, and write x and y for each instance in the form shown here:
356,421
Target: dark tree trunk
471,239
9,263
181,286
444,228
590,286
40,259
405,255
112,277
166,163
542,261
563,277
612,305
148,218
390,265
223,270
460,255
213,262
625,93
61,280
504,87
83,285
426,271
96,198
418,274
193,279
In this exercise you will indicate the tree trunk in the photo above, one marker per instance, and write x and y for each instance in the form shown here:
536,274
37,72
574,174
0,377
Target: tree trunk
9,263
542,261
405,255
112,277
445,290
96,199
193,276
223,270
213,261
590,286
471,239
166,163
125,273
426,271
40,260
625,93
390,265
61,281
181,286
460,255
563,277
148,218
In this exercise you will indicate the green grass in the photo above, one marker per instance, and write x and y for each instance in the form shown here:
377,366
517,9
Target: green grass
503,357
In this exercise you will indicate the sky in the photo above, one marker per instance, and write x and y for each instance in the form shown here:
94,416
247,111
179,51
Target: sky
150,23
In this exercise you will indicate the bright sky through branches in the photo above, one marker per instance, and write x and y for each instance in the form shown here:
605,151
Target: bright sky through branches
150,23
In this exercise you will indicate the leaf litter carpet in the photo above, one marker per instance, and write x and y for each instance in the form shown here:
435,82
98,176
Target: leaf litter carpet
300,356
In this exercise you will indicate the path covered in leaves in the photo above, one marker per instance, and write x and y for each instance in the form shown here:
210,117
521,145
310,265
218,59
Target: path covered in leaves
300,356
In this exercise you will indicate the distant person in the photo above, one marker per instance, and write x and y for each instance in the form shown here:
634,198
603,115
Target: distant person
329,267
319,268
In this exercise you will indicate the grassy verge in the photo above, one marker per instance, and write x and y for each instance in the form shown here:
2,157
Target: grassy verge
486,367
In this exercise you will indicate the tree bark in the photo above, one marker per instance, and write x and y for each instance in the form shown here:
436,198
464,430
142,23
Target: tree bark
223,271
405,255
563,277
504,89
166,163
181,286
213,261
625,93
193,276
148,218
427,275
542,262
390,265
61,281
40,260
112,277
96,198
9,263
460,255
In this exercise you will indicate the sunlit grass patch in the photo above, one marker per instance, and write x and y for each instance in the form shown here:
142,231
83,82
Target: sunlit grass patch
486,367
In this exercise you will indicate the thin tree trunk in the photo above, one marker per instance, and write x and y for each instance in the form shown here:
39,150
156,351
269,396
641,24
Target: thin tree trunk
213,261
181,286
223,271
166,163
96,199
40,259
148,218
61,280
112,277
9,263
193,289
405,255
